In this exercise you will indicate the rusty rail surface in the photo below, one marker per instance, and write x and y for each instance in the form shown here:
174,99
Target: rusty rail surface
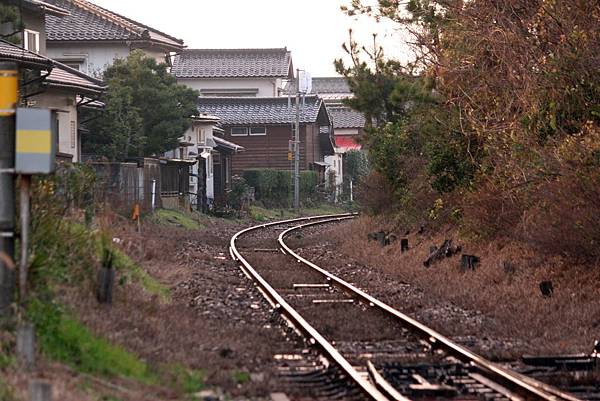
297,320
528,387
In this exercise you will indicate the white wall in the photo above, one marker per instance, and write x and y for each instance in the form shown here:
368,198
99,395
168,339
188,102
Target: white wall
96,57
266,87
66,110
346,131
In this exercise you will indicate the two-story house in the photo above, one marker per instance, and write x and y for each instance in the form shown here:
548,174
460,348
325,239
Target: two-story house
265,127
90,37
234,72
56,86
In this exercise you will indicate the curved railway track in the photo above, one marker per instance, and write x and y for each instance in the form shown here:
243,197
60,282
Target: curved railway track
414,361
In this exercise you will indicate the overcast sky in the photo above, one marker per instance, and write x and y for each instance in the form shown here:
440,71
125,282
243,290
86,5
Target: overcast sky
313,30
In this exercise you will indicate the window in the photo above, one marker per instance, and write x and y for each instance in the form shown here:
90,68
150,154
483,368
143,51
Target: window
239,131
209,166
201,135
73,64
73,135
31,40
258,131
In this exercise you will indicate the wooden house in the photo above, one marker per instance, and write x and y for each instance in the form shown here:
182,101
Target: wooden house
265,128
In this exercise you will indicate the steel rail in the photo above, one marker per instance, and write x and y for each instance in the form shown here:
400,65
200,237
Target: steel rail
534,388
290,313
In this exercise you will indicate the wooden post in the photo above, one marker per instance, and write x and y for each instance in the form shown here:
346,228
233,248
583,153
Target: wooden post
40,390
26,345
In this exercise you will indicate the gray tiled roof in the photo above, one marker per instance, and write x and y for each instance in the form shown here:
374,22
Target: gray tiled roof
270,110
12,52
325,85
60,75
38,5
63,76
89,22
330,85
229,63
345,117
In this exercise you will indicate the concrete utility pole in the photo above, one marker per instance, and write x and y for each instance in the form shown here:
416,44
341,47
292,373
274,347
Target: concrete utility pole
297,147
8,104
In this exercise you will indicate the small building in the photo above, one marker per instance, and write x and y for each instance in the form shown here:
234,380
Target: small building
210,168
265,128
234,72
90,37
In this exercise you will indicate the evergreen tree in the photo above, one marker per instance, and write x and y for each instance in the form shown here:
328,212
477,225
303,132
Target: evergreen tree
146,110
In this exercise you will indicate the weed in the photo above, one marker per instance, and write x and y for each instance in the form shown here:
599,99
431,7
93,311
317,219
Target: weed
6,393
65,339
131,271
241,377
263,214
165,217
179,377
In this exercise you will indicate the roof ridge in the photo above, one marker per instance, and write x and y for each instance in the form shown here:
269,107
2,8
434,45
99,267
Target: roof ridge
136,27
109,16
263,98
249,49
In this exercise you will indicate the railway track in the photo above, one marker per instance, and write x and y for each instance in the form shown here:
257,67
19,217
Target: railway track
369,349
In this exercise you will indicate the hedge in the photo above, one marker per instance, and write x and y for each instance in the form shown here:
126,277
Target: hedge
274,188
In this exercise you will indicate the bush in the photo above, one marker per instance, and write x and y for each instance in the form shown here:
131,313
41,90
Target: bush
274,188
375,194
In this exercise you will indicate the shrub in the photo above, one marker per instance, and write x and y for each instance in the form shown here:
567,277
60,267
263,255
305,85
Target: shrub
375,194
274,188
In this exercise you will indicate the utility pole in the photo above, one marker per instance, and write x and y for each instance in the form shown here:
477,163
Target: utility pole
297,147
8,104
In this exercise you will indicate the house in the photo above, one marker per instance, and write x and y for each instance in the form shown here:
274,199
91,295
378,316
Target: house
348,124
90,37
265,127
50,84
210,171
234,72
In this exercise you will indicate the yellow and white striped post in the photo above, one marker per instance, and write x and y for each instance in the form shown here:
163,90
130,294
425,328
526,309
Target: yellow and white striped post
36,143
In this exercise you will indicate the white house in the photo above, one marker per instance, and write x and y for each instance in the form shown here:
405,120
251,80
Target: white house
90,38
59,88
234,72
211,173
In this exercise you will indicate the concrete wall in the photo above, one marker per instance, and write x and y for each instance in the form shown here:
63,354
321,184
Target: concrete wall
267,87
64,105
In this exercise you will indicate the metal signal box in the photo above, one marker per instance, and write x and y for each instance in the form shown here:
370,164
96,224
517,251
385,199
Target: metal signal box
36,142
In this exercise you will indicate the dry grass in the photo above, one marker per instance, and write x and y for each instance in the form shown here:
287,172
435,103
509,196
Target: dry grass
566,322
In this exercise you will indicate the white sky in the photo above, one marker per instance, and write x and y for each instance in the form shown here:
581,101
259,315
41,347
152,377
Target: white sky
313,30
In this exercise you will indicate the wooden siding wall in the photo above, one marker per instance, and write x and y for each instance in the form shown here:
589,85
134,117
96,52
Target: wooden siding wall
271,150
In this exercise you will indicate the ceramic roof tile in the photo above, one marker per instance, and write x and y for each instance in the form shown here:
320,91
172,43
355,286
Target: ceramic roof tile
67,77
230,63
12,52
89,22
345,117
273,110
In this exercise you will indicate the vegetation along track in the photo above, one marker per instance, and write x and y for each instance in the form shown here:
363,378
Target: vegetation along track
379,352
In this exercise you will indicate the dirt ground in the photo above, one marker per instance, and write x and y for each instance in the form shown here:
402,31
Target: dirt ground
496,309
214,321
